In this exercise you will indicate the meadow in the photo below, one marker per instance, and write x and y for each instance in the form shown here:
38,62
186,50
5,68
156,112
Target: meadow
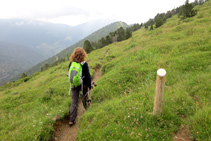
122,103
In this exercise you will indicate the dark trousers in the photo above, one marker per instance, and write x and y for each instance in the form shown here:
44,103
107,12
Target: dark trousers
74,103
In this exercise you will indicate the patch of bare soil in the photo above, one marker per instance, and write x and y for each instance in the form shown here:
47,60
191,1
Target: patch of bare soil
98,75
183,134
62,130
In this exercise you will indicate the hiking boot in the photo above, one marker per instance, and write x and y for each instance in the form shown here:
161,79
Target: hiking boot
71,123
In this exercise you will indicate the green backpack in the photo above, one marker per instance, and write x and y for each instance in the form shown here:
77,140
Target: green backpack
75,74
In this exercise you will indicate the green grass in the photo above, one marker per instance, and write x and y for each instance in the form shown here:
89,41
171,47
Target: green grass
123,100
27,108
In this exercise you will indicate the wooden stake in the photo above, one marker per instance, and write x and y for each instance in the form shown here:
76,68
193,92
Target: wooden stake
160,83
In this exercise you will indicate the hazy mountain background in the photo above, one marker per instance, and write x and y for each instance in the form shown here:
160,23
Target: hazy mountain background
66,52
16,58
25,43
46,38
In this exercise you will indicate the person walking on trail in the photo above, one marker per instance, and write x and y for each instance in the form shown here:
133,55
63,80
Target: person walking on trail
78,57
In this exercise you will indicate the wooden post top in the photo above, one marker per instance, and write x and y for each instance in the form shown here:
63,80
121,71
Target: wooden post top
161,72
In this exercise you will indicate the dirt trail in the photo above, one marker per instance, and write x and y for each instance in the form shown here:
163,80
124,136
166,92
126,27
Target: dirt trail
62,130
183,134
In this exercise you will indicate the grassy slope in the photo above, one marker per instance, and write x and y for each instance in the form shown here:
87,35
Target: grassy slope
123,100
27,108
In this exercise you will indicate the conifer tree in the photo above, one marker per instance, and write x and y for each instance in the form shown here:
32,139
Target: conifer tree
111,34
135,27
149,23
146,27
151,28
108,40
95,45
168,14
23,75
87,46
187,10
102,42
121,34
128,33
160,19
158,22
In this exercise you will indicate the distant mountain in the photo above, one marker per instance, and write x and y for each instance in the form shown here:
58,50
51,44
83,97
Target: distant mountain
97,35
24,43
15,59
46,38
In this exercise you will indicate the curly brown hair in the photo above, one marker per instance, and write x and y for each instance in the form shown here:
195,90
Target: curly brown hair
78,55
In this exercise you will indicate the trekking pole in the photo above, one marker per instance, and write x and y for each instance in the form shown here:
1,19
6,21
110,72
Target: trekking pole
70,84
69,90
89,95
160,83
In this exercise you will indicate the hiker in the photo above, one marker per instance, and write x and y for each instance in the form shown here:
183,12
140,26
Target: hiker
78,56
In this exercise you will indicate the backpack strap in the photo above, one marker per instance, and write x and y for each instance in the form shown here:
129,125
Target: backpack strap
82,63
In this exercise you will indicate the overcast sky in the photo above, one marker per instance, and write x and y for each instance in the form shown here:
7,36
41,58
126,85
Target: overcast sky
74,12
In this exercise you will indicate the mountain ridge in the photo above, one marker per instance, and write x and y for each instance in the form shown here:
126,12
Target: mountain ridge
44,38
64,53
15,59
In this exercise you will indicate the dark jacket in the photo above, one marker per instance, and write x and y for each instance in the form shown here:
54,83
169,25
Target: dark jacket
85,74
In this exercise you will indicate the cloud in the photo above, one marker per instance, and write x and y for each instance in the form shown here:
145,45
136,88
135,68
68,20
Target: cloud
19,23
68,38
39,9
79,11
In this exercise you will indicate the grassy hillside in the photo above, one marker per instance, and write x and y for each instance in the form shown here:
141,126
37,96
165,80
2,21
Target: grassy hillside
123,100
27,108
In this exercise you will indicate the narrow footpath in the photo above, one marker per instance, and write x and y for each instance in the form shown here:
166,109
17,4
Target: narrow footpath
62,130
183,134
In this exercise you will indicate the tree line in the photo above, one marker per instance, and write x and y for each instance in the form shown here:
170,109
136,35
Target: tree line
119,35
183,12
